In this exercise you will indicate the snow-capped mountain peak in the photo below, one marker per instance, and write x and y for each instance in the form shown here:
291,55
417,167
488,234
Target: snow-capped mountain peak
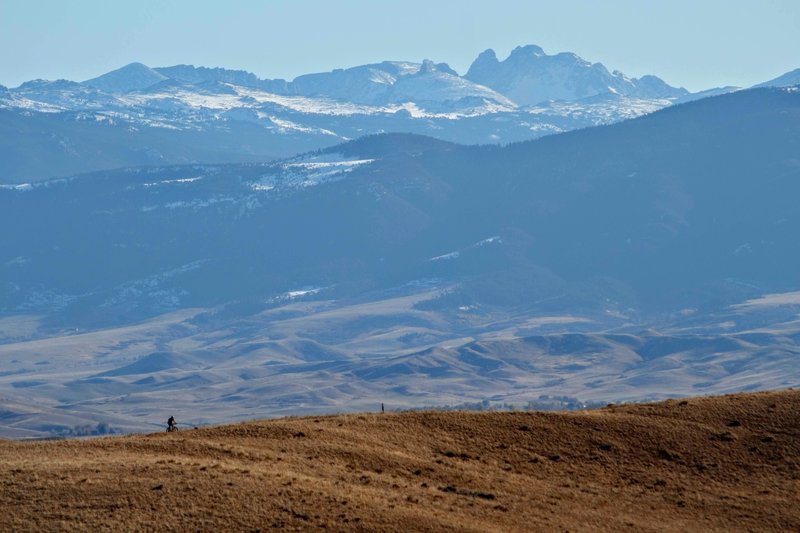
380,84
521,53
131,77
529,76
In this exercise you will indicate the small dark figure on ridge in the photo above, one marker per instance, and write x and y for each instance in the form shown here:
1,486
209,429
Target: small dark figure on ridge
171,425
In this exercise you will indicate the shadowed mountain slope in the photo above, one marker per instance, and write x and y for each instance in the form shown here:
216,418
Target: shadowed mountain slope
787,79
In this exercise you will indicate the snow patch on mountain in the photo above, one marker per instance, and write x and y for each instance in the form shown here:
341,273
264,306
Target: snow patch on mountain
303,104
451,255
496,239
308,171
179,180
18,187
600,109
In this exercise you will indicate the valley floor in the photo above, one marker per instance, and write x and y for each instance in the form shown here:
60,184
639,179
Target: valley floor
702,464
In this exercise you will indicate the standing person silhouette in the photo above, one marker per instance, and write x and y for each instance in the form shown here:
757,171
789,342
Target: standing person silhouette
171,424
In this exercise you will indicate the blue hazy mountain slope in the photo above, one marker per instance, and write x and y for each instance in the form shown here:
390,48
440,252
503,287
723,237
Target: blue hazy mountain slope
35,146
784,80
689,207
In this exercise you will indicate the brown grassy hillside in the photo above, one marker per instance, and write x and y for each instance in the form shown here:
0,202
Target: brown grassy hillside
725,463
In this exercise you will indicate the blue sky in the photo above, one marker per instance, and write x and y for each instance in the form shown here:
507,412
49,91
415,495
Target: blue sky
697,44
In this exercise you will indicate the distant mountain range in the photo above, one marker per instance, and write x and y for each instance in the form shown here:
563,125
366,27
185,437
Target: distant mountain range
138,115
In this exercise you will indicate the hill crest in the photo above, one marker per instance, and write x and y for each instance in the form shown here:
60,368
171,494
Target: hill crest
725,463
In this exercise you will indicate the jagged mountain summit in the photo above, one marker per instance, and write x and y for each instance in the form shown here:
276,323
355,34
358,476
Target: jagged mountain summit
529,76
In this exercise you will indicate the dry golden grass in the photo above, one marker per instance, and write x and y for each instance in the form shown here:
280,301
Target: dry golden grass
725,463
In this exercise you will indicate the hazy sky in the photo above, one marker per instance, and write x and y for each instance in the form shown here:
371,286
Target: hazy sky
697,44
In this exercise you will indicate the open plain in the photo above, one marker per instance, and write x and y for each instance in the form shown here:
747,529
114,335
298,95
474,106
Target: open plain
699,464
